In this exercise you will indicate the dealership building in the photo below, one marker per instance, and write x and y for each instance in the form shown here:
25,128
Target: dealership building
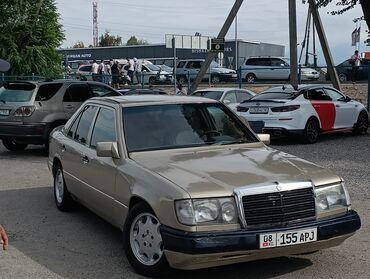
159,54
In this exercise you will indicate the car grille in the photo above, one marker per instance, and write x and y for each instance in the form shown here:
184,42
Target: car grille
279,207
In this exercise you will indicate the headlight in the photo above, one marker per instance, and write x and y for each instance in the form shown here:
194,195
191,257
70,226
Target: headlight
206,211
331,200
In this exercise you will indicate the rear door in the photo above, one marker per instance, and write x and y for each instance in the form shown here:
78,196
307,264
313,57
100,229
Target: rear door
324,107
279,69
74,96
263,68
193,68
346,111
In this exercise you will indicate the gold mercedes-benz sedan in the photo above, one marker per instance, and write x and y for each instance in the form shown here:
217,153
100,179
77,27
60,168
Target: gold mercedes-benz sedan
191,186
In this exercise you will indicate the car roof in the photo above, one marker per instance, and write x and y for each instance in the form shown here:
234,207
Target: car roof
130,100
221,89
289,88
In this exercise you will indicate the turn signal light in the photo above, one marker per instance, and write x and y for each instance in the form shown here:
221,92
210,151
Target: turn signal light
285,108
241,109
24,111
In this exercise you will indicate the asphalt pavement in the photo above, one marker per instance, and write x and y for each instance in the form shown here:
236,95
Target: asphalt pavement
47,243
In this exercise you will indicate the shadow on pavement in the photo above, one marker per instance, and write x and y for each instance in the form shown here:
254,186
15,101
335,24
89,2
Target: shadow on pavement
82,245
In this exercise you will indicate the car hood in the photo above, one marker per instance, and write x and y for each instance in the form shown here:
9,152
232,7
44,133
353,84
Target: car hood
218,171
308,70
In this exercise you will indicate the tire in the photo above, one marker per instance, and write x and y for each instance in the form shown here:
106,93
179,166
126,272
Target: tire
152,80
362,124
181,79
63,199
250,78
11,145
311,131
215,79
342,77
139,244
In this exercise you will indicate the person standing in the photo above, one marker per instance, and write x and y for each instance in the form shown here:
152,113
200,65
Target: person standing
356,63
94,70
138,69
101,72
4,238
108,72
181,90
130,69
115,75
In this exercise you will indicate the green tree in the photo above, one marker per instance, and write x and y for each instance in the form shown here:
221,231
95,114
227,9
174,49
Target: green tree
30,34
109,40
133,41
78,44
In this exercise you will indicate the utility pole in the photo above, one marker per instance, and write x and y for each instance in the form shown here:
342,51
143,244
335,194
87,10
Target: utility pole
293,43
211,55
324,44
95,24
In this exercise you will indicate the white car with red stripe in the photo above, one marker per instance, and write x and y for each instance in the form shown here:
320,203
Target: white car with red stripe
309,111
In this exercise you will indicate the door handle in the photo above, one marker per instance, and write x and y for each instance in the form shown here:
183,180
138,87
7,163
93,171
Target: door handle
63,148
338,106
85,159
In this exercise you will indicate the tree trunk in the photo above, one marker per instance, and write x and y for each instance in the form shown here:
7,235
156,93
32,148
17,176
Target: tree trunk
365,4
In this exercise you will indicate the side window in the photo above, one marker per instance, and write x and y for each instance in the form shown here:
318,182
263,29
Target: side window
276,62
263,62
99,91
85,69
231,96
251,61
77,93
47,91
334,95
181,64
105,128
317,95
84,124
242,96
72,131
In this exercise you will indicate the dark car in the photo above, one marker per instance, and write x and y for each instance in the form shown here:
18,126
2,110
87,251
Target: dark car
344,71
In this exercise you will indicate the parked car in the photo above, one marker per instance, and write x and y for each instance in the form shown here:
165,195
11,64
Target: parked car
272,68
309,111
344,71
189,68
229,96
153,74
29,110
191,186
137,91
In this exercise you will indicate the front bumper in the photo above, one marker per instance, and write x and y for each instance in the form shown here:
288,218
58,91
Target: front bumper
32,133
185,250
227,77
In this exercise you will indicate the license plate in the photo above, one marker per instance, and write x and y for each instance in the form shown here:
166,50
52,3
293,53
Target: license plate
4,112
234,75
270,240
258,110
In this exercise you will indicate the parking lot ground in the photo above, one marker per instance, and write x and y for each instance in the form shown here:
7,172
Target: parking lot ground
47,243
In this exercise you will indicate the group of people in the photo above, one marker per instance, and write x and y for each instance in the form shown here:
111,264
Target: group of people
110,72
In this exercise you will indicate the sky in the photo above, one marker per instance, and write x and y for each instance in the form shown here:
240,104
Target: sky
258,20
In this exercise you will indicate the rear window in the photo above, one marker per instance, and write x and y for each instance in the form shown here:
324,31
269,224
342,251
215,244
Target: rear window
16,92
215,95
47,91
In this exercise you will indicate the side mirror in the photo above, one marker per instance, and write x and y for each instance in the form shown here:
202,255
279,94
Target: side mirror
107,149
347,99
265,138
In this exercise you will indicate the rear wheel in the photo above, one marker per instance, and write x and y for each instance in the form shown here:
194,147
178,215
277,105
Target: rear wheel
143,241
181,79
152,80
362,124
311,131
11,145
251,78
215,79
63,199
342,77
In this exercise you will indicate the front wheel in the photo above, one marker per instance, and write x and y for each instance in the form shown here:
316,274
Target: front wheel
143,241
11,145
251,78
311,131
215,79
362,124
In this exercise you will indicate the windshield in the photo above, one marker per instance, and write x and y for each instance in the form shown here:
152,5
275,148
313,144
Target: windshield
215,95
215,65
16,92
182,125
153,68
286,60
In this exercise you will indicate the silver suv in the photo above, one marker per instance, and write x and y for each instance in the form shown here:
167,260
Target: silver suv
30,110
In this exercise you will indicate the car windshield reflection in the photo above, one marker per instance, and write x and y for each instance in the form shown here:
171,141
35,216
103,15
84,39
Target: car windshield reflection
182,125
